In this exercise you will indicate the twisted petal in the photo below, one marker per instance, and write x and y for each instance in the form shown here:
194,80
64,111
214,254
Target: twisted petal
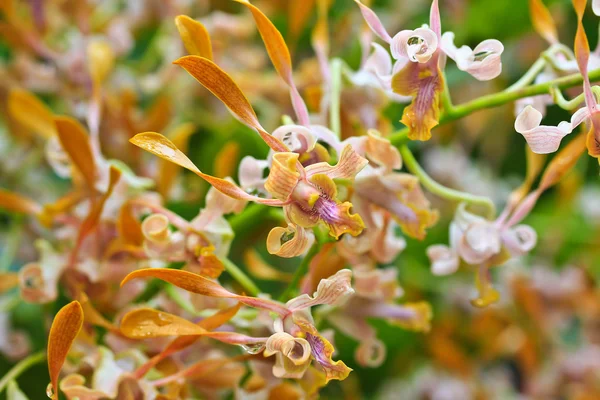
333,291
483,62
418,45
543,139
293,355
349,164
283,176
299,139
542,21
289,242
444,261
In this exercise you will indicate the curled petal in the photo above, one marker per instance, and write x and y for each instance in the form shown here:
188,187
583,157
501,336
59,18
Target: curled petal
483,62
520,239
283,176
374,22
542,139
65,328
299,139
349,164
221,85
156,228
195,37
418,45
289,242
424,83
198,284
293,355
159,145
479,242
333,291
444,261
370,353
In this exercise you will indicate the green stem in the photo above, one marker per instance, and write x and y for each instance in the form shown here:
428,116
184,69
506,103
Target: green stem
252,215
529,76
300,271
336,89
400,137
240,277
413,166
21,367
12,245
446,98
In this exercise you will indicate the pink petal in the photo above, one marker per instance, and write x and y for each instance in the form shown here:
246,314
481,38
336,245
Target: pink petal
542,139
374,22
332,291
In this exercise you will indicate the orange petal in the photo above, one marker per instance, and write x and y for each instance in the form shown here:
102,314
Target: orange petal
16,203
542,21
423,82
283,176
146,323
101,60
159,145
8,280
563,162
198,284
30,112
226,160
261,269
221,85
129,227
280,57
195,37
167,171
65,327
93,316
75,141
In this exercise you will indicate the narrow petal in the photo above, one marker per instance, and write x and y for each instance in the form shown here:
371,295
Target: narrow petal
162,147
563,162
75,141
289,242
198,284
444,261
65,327
283,176
349,164
195,37
146,322
542,139
14,202
280,57
542,21
30,112
101,60
333,291
167,171
224,88
435,21
129,227
374,22
424,83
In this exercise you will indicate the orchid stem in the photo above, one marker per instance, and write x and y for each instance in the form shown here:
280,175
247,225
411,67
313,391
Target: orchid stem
301,271
240,277
446,98
336,90
434,187
400,137
21,367
529,76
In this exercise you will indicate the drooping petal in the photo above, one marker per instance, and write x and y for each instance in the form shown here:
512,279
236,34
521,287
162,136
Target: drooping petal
75,141
283,176
159,145
374,23
542,139
444,261
424,83
418,45
563,162
224,88
333,291
195,37
349,164
280,57
198,284
65,327
30,112
289,242
542,21
167,171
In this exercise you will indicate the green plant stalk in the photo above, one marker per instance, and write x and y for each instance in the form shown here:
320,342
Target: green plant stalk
253,214
413,166
240,277
300,271
21,367
400,137
336,89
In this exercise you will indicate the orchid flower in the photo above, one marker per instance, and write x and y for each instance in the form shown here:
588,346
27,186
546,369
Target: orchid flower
421,77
